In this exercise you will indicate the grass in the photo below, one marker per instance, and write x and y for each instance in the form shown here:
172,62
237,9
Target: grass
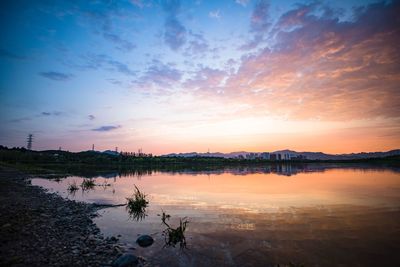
73,187
137,204
88,184
105,184
173,236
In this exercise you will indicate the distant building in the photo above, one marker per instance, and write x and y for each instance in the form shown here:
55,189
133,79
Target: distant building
251,156
286,156
265,155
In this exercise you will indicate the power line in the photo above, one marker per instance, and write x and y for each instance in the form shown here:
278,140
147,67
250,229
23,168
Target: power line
29,142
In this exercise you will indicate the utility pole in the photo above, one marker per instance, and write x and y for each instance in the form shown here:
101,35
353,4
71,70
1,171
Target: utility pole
116,149
29,142
93,147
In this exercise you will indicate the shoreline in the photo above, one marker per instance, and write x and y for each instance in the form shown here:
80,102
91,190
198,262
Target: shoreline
38,228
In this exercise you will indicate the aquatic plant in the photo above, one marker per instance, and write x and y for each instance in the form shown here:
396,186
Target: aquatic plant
172,235
88,184
136,205
105,184
73,187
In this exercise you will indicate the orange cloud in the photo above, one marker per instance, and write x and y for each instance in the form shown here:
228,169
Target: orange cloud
319,68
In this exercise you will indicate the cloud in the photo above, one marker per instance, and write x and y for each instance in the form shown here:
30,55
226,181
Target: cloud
18,120
106,128
42,114
102,61
7,54
91,117
99,16
54,113
260,17
56,76
159,76
102,15
242,2
174,31
207,80
197,46
259,24
320,67
115,81
214,14
122,44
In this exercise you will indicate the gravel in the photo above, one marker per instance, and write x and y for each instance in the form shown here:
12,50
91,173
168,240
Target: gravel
38,228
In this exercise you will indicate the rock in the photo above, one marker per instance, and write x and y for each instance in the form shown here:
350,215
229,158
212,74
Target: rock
126,260
6,225
91,238
145,241
117,249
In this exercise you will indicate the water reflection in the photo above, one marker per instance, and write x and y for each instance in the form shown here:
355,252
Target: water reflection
174,236
285,169
137,204
323,215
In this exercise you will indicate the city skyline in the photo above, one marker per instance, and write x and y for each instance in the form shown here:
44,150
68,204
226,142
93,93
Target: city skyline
181,76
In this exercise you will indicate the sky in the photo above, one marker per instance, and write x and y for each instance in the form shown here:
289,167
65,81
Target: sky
180,76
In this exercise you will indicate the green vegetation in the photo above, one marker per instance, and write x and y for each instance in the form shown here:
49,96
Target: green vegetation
88,184
137,204
72,188
90,158
55,163
172,235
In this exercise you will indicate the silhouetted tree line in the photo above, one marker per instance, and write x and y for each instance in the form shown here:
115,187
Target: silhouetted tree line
92,161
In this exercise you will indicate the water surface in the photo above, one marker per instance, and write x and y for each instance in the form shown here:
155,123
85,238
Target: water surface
257,217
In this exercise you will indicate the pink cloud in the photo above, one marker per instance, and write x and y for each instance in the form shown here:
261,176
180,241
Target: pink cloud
322,68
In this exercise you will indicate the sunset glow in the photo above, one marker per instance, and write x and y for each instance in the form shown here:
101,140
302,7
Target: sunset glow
180,76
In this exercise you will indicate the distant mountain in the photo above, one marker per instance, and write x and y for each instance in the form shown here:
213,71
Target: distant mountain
323,156
308,155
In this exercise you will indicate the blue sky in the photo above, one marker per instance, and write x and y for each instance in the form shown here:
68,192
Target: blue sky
172,76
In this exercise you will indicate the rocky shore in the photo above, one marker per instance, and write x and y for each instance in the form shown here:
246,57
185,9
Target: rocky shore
38,228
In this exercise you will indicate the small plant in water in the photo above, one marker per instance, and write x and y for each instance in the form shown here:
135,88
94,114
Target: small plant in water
105,184
174,236
72,188
88,184
136,205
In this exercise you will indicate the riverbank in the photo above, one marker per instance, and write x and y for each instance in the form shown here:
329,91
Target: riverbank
38,228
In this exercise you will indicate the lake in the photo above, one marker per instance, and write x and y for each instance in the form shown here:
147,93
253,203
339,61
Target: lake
311,215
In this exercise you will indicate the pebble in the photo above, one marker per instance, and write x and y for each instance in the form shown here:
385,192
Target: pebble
145,241
126,260
55,232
